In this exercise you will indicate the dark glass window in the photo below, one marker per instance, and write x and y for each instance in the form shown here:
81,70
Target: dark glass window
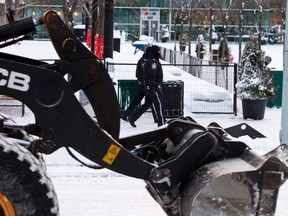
127,15
143,3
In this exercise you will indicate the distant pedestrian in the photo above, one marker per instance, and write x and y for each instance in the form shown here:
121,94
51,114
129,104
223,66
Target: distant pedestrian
153,80
223,51
200,47
140,90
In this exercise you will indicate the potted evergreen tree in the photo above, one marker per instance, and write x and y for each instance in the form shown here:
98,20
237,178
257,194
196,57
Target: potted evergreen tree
255,86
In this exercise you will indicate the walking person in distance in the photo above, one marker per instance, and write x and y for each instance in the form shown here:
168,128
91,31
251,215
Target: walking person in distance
140,89
153,79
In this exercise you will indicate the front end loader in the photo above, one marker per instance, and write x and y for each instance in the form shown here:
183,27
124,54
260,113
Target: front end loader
188,169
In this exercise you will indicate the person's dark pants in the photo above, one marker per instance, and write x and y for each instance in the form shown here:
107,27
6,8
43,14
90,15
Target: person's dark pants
139,95
153,99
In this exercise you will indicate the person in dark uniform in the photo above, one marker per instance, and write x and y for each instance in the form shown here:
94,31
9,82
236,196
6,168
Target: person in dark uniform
140,90
153,80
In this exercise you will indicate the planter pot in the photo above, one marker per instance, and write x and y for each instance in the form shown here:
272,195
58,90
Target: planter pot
254,109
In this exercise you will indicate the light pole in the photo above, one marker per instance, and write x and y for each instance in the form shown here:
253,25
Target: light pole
284,113
210,30
260,5
170,18
242,5
181,39
108,29
94,24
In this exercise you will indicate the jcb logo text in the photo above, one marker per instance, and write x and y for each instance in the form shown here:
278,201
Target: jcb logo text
14,80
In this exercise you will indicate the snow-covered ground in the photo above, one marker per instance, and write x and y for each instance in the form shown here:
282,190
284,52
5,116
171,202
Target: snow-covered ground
83,191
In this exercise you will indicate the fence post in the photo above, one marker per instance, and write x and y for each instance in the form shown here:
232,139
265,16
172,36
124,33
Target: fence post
235,90
23,110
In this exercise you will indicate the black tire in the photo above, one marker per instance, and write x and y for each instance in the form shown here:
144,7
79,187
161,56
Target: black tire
24,183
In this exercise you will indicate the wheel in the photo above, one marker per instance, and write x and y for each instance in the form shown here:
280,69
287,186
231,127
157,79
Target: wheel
25,188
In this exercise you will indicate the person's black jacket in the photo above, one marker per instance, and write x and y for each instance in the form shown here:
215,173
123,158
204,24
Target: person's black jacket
140,68
153,74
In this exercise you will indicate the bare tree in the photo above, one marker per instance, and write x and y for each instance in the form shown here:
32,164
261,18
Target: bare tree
225,14
69,7
8,4
180,16
239,6
95,7
283,20
281,6
16,7
185,12
212,18
261,5
94,14
192,8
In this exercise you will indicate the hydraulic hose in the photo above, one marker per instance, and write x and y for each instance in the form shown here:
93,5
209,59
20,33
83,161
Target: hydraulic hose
18,28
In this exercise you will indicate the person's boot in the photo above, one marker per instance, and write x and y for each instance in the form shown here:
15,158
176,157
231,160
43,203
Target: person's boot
124,118
131,121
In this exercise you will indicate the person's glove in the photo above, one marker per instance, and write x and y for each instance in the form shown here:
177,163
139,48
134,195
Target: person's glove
160,89
150,90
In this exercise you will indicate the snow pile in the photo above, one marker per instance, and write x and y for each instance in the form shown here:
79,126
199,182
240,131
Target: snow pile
260,145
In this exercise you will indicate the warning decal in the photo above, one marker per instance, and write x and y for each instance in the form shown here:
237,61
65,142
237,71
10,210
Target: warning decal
111,154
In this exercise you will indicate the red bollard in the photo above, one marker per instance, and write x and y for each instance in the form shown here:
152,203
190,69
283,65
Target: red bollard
98,46
88,38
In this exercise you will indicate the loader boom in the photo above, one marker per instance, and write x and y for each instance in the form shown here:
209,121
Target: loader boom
62,119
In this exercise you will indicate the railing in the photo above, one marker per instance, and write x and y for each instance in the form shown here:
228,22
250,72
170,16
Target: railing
6,101
208,87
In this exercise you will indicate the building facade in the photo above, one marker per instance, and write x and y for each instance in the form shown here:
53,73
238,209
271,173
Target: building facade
147,17
142,17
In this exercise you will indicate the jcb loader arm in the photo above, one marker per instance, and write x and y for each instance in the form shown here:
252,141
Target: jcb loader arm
189,169
62,120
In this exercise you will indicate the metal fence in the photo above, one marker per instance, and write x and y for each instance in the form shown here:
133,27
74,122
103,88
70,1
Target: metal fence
208,86
7,102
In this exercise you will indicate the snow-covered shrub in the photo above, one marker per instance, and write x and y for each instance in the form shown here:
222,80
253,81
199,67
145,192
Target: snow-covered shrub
255,80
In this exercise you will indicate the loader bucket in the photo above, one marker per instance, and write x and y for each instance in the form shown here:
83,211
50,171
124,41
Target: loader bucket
242,186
